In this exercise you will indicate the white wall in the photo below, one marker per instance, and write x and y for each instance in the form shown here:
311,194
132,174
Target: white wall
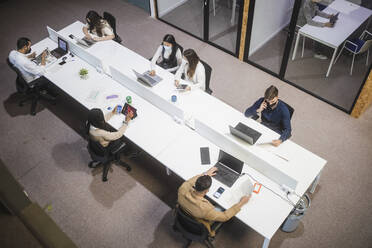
166,6
270,17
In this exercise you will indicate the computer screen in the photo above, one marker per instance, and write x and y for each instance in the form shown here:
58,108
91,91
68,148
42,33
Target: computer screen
230,161
62,44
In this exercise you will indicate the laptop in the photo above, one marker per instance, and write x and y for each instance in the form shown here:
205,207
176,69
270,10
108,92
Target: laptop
229,169
334,18
61,50
245,133
147,79
84,41
48,58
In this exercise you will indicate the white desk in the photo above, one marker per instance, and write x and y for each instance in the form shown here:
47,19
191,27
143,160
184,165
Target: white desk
350,18
177,146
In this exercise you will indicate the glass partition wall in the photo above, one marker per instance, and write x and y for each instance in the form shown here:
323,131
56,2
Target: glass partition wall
272,31
217,22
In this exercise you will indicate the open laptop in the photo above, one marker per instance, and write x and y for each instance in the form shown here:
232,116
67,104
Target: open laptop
61,50
147,79
229,169
245,133
84,41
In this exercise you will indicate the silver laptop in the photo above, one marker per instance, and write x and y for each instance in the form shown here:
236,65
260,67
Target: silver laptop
245,133
84,41
147,79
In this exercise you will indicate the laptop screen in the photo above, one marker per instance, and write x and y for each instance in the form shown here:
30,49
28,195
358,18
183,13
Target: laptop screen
62,44
230,161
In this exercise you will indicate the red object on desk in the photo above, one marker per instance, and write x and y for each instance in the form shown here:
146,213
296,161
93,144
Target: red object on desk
257,188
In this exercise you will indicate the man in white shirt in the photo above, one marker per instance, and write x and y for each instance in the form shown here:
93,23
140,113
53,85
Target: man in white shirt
19,58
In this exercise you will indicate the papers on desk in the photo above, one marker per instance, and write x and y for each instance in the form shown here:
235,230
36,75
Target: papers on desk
344,6
240,189
279,151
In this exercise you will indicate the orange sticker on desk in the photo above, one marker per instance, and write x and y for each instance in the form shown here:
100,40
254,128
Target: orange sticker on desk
257,188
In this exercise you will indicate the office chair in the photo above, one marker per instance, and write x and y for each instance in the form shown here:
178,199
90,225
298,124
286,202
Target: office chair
208,74
191,229
357,46
112,21
101,156
31,91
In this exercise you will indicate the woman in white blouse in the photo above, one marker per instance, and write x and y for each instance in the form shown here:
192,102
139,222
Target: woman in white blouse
193,69
168,55
97,28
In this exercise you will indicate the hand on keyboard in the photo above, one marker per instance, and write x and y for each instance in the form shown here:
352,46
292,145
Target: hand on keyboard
212,171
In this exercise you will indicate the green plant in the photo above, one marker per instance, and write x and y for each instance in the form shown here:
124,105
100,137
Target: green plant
83,72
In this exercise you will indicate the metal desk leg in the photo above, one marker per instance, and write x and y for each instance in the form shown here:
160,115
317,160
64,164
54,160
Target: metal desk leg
332,60
169,172
266,243
296,46
233,12
315,183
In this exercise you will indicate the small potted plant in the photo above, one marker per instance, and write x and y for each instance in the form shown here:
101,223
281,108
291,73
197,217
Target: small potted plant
83,73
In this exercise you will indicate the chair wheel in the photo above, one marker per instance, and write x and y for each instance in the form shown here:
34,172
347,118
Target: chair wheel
129,168
104,179
90,165
33,113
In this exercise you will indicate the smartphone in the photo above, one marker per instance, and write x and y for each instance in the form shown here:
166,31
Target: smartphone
62,63
219,192
204,155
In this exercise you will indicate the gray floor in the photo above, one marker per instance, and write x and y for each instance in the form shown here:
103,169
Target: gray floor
189,16
48,155
339,88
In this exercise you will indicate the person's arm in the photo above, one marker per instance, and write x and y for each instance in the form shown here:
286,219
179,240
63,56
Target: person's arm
309,17
155,58
287,129
107,33
200,78
178,75
252,110
34,69
189,184
86,32
116,135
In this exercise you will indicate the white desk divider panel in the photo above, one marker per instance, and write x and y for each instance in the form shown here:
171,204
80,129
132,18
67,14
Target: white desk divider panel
250,158
167,106
52,34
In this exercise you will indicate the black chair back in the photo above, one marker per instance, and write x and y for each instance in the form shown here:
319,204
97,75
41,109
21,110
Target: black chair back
190,228
208,74
112,21
21,84
290,109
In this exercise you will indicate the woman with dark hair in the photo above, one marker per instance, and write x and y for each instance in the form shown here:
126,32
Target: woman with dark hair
193,69
100,131
97,28
168,55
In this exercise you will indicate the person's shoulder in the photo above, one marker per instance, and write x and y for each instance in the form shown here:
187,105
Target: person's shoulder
283,106
12,53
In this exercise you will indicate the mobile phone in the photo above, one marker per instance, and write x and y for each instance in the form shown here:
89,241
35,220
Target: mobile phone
127,108
62,63
204,155
219,192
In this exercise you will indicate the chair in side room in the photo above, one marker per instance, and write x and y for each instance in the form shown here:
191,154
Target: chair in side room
191,229
208,74
30,91
101,156
357,46
112,21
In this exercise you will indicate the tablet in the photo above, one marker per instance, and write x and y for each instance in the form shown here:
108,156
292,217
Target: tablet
182,87
127,108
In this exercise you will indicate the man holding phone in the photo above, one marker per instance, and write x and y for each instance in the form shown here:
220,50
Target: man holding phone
274,114
191,199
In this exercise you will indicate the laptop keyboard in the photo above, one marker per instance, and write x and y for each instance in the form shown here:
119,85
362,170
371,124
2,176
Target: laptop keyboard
151,80
225,175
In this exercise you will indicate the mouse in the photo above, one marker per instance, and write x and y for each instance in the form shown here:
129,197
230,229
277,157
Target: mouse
64,58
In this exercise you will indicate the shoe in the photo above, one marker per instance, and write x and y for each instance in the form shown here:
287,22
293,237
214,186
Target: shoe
320,56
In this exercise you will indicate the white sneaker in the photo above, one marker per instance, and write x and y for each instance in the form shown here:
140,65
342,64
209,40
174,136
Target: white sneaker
320,56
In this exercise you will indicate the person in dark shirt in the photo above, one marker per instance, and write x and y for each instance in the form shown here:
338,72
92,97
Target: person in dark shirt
274,114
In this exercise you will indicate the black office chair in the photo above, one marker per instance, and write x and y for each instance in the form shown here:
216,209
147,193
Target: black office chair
112,21
191,229
31,91
101,156
290,109
208,74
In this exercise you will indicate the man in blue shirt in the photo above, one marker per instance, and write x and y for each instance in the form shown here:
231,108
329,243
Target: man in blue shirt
274,114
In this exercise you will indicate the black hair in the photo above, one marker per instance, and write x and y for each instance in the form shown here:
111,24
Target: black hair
271,92
170,39
94,22
97,120
203,183
22,42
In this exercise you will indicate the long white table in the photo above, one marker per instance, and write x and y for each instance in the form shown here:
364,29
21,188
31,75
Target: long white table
350,18
176,145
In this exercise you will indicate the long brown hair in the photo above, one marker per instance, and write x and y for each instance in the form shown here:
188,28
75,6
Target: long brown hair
193,60
94,22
